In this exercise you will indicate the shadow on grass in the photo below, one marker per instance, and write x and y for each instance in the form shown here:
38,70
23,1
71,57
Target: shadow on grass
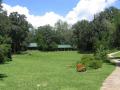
114,64
21,53
5,63
114,58
109,63
2,76
118,64
85,52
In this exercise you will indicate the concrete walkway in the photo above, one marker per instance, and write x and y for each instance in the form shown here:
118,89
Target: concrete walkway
113,81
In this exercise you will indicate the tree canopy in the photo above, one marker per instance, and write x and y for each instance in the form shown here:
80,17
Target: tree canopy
102,32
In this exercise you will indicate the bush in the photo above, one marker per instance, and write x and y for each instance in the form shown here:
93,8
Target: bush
53,46
101,54
5,53
91,62
86,59
95,64
2,57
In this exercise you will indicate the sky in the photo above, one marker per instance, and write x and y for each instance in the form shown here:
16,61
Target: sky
42,12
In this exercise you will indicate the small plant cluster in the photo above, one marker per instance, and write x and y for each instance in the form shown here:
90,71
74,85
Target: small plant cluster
5,53
90,62
101,52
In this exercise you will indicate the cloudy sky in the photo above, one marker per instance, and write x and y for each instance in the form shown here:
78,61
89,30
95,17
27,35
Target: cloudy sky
42,12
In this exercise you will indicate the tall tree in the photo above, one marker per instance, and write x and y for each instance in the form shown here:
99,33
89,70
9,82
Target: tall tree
19,30
109,20
0,5
5,40
83,35
64,32
46,38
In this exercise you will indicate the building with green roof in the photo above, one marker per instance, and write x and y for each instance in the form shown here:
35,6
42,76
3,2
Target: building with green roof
33,46
61,47
65,47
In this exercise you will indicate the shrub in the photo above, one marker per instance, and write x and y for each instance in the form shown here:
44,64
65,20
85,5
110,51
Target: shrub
101,54
2,57
5,53
86,59
91,62
95,64
52,46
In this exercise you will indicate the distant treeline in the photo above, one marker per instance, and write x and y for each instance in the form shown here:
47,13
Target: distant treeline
16,33
103,31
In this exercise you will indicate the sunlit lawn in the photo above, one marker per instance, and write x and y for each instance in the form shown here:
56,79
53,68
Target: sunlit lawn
117,55
50,71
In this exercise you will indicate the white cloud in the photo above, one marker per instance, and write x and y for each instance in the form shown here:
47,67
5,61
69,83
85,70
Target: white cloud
17,8
85,9
48,18
36,21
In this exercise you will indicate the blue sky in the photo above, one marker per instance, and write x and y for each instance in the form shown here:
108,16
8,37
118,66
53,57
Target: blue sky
40,7
117,4
42,12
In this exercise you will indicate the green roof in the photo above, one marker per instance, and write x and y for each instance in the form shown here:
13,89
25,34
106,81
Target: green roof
64,46
33,45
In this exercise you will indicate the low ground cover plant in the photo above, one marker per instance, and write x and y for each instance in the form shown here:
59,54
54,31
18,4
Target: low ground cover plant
90,62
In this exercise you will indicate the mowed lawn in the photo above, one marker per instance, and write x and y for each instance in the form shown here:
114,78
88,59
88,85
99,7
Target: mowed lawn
50,71
117,55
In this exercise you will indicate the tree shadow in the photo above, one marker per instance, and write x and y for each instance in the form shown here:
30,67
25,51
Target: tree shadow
5,63
109,63
2,76
114,58
118,61
118,64
85,52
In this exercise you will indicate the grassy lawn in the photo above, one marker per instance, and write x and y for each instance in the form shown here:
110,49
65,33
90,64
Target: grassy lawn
50,71
117,54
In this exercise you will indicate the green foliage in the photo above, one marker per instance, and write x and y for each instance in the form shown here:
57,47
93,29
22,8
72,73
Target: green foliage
5,53
2,57
78,62
63,32
101,53
19,31
53,46
91,62
6,50
104,28
5,40
86,59
46,39
83,35
95,64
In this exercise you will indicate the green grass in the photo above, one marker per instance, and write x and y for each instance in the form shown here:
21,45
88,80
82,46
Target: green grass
117,54
50,71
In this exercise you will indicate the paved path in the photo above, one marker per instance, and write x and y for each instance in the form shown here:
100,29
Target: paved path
113,81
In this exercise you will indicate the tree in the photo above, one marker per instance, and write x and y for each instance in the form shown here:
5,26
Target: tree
19,30
45,37
83,35
4,24
64,32
104,29
5,40
0,5
111,15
